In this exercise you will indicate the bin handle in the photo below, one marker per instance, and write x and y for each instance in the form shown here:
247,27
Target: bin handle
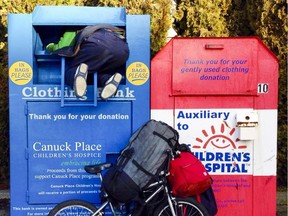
214,46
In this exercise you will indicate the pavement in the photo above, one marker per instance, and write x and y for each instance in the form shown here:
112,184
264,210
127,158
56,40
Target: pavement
281,203
4,202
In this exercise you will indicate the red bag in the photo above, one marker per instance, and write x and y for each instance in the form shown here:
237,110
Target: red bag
188,176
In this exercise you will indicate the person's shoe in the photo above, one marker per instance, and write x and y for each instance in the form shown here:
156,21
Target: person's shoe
111,86
80,84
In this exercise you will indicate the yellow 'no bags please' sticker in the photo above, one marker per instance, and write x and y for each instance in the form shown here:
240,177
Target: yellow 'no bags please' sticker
20,73
137,73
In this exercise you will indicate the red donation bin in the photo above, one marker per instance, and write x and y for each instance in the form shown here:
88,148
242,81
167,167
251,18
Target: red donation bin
221,96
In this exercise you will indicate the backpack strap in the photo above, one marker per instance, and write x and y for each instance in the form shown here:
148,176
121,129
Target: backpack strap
172,142
164,138
127,155
141,168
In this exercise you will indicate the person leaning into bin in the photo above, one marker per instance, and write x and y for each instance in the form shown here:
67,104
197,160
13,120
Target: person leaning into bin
98,48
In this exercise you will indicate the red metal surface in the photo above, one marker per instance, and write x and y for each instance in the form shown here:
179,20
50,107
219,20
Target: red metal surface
210,107
168,82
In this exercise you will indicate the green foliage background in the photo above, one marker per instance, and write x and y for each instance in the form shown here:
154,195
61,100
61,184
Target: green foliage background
266,19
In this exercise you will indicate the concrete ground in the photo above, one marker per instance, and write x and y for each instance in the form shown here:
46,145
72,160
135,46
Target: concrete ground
281,203
4,202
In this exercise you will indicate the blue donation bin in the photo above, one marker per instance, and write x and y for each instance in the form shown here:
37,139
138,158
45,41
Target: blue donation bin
53,134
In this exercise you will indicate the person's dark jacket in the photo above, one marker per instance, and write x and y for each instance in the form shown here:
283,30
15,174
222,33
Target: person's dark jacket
71,51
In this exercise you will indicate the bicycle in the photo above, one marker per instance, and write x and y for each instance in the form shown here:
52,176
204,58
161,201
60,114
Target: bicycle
168,206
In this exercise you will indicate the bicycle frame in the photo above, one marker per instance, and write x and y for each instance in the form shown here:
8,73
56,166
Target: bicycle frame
163,186
157,187
152,191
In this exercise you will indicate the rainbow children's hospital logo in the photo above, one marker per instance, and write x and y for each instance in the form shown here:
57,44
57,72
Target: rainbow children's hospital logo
212,139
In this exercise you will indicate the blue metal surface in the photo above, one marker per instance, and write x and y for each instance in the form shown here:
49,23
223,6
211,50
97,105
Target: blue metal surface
76,15
62,140
51,140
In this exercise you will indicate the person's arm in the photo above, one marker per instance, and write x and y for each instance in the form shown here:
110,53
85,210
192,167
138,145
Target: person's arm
68,39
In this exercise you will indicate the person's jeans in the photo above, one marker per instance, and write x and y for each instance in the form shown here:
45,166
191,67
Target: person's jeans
103,52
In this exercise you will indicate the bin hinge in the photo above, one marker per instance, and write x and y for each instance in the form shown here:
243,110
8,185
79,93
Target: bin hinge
27,196
26,109
26,153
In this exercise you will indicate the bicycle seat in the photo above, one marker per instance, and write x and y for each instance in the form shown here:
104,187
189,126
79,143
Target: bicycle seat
97,168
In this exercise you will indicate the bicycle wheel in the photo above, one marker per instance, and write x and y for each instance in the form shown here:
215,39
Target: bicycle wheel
73,207
184,207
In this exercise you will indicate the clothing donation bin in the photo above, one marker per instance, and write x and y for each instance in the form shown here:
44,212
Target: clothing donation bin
53,134
221,96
